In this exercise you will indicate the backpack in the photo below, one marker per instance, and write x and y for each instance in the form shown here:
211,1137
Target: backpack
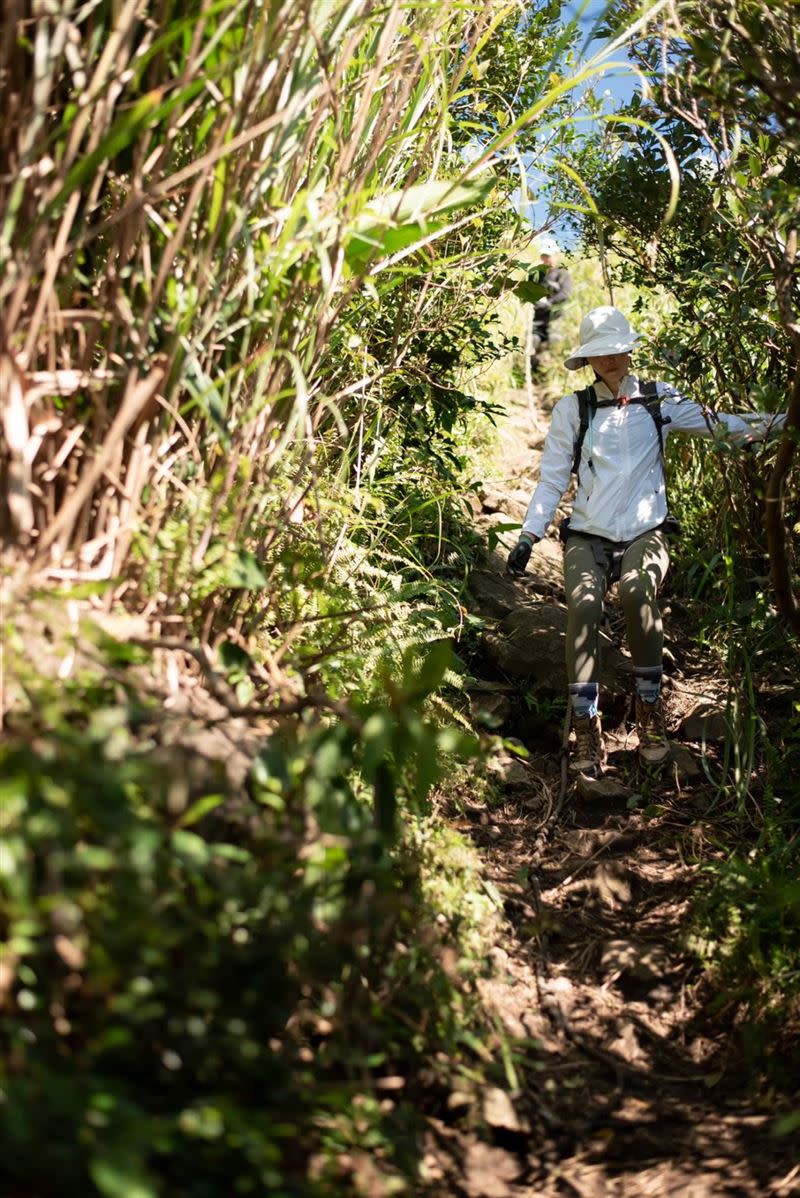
587,406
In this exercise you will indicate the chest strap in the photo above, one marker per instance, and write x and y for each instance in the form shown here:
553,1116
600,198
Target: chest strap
588,404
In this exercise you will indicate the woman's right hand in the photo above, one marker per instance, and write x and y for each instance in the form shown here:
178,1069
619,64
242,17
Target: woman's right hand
519,556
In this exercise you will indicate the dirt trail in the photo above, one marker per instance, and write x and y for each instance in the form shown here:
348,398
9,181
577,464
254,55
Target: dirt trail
630,1085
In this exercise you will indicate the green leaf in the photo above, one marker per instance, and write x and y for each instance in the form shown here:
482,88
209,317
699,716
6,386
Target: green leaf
199,809
191,847
94,856
118,1175
376,740
81,590
206,395
233,656
530,292
217,194
426,758
382,240
433,669
787,1125
385,802
494,533
458,743
245,573
433,199
231,852
270,776
124,130
397,220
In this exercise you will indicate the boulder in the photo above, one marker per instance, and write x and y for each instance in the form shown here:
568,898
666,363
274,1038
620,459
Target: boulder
499,1111
494,594
705,722
510,503
508,769
529,643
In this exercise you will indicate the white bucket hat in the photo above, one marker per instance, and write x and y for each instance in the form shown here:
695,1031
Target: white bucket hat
548,246
603,331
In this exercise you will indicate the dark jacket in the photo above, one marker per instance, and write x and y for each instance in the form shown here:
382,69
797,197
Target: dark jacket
559,280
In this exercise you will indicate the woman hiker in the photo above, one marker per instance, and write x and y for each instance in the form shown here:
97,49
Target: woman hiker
611,436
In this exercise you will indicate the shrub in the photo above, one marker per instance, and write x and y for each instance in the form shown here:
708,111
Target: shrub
203,997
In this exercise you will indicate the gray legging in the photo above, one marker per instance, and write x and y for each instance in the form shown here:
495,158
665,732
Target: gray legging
586,579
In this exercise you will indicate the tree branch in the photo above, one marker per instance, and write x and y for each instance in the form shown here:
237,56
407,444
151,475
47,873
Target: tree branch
785,598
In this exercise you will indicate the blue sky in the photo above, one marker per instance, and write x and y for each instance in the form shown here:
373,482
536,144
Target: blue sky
618,85
622,85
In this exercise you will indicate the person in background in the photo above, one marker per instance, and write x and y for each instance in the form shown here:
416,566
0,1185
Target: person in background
558,281
619,524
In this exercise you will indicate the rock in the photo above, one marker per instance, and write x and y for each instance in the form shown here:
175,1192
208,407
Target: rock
557,985
120,626
601,788
610,881
488,1171
493,593
220,757
645,963
547,565
626,1044
518,775
508,769
706,721
684,761
490,710
498,763
541,731
486,686
529,643
510,503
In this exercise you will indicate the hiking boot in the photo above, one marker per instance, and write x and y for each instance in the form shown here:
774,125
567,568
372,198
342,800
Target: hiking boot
588,753
652,731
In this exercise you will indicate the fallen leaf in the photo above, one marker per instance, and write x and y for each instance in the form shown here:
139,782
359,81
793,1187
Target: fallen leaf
487,1171
498,1110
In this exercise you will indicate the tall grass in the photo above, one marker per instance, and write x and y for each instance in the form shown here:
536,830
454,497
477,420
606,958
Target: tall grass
227,233
185,206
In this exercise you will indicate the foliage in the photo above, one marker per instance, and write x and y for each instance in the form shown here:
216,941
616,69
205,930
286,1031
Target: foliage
745,928
249,273
236,316
198,992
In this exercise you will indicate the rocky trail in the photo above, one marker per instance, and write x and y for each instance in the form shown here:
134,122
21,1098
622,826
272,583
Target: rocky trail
629,1078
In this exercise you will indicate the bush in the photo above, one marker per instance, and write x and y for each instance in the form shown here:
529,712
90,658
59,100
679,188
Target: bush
203,998
746,930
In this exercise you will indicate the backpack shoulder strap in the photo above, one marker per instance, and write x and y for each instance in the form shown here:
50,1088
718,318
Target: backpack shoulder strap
587,405
651,402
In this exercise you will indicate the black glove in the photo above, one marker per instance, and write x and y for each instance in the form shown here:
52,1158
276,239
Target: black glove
519,557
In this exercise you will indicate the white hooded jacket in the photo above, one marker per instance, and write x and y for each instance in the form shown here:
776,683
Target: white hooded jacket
624,493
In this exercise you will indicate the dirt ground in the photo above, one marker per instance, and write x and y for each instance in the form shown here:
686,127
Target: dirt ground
631,1080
